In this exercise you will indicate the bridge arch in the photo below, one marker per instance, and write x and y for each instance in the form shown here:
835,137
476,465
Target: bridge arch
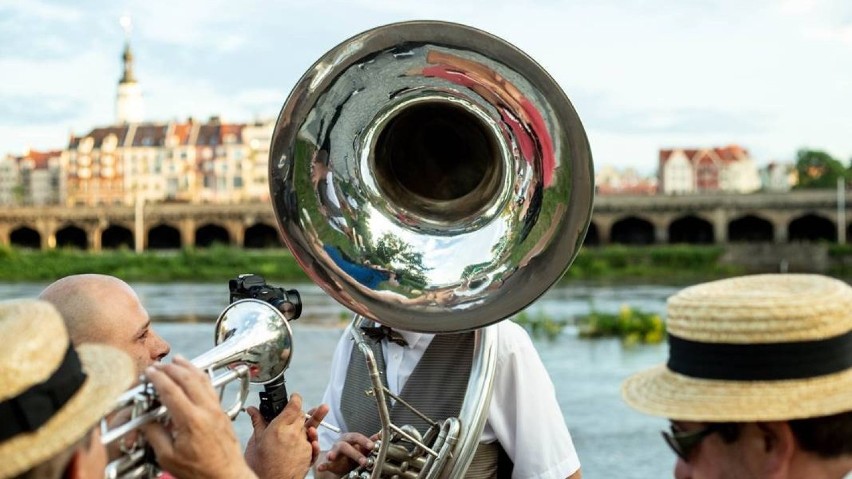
691,229
592,238
117,237
25,237
210,233
632,230
71,236
164,236
812,227
750,229
261,235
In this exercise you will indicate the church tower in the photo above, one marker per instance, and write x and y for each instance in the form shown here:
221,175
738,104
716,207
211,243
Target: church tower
129,107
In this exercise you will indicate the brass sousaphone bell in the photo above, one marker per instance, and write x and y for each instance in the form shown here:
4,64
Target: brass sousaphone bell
434,178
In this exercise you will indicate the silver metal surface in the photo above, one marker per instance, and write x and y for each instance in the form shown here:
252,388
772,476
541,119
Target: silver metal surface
253,343
431,177
257,334
447,448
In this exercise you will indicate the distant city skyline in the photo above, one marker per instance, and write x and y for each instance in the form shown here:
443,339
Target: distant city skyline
771,76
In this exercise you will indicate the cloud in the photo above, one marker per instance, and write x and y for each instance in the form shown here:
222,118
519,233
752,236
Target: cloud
38,109
40,11
822,20
840,34
261,98
642,74
674,120
798,7
38,30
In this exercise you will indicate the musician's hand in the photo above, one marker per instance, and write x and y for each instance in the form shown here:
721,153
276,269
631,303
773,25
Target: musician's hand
347,453
317,415
200,441
287,446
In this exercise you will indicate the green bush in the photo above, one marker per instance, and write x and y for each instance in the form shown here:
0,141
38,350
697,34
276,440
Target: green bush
632,325
541,325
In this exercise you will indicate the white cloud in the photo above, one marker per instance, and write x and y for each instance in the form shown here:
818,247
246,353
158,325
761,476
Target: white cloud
798,7
841,34
43,10
772,76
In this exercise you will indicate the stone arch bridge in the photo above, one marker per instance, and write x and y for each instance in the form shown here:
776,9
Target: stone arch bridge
697,219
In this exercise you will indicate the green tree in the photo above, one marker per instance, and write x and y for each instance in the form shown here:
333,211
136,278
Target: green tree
391,252
818,169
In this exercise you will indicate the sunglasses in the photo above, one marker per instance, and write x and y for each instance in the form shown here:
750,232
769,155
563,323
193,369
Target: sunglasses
683,443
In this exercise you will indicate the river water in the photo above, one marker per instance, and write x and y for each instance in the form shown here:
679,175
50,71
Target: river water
612,440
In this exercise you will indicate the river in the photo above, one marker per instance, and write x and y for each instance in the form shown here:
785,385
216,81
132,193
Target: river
612,440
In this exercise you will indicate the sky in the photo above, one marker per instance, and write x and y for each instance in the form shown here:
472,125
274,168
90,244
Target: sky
771,76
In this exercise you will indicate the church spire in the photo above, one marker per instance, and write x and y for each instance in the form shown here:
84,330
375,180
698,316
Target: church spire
129,107
127,57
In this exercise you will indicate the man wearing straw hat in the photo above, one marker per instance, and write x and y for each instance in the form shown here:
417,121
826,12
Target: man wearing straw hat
53,395
759,379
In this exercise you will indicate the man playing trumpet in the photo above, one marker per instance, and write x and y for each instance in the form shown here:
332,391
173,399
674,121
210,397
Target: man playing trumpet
53,395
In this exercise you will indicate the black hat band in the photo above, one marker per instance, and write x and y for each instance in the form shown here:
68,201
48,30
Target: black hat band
761,361
32,408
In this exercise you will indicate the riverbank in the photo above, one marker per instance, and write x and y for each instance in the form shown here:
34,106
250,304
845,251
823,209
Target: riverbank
677,264
614,264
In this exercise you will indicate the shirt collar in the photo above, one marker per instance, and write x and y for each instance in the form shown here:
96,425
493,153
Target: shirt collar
413,338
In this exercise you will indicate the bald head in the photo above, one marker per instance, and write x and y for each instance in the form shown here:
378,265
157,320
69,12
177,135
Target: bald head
84,301
104,309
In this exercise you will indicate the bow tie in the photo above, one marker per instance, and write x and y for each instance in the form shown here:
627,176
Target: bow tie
378,333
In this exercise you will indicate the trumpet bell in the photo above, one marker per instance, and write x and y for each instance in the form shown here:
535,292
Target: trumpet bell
253,333
420,169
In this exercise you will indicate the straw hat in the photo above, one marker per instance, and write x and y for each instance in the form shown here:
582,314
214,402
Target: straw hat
35,345
753,348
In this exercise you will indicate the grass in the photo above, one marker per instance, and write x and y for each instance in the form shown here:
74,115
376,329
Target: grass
676,264
199,265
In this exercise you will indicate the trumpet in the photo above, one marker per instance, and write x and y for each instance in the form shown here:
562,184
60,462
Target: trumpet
253,346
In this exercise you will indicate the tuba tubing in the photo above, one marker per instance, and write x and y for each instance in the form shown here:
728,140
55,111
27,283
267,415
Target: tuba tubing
434,178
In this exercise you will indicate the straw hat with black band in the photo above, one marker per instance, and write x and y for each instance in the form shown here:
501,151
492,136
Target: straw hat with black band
50,394
753,348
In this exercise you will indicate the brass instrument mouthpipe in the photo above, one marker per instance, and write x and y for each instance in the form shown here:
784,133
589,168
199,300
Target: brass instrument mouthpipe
238,372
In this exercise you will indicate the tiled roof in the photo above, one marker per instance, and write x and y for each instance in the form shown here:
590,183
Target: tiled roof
731,153
208,134
182,132
40,159
211,133
98,135
150,134
728,154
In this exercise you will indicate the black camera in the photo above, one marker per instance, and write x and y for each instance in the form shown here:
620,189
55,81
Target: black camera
254,286
274,396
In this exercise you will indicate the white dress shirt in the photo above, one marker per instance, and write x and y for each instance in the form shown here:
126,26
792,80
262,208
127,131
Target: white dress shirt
524,415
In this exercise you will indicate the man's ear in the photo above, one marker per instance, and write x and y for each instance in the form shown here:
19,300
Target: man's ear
779,446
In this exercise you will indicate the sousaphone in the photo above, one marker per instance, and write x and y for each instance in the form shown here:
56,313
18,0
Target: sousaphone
432,177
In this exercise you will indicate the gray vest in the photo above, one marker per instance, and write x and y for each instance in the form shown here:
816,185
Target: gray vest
436,388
